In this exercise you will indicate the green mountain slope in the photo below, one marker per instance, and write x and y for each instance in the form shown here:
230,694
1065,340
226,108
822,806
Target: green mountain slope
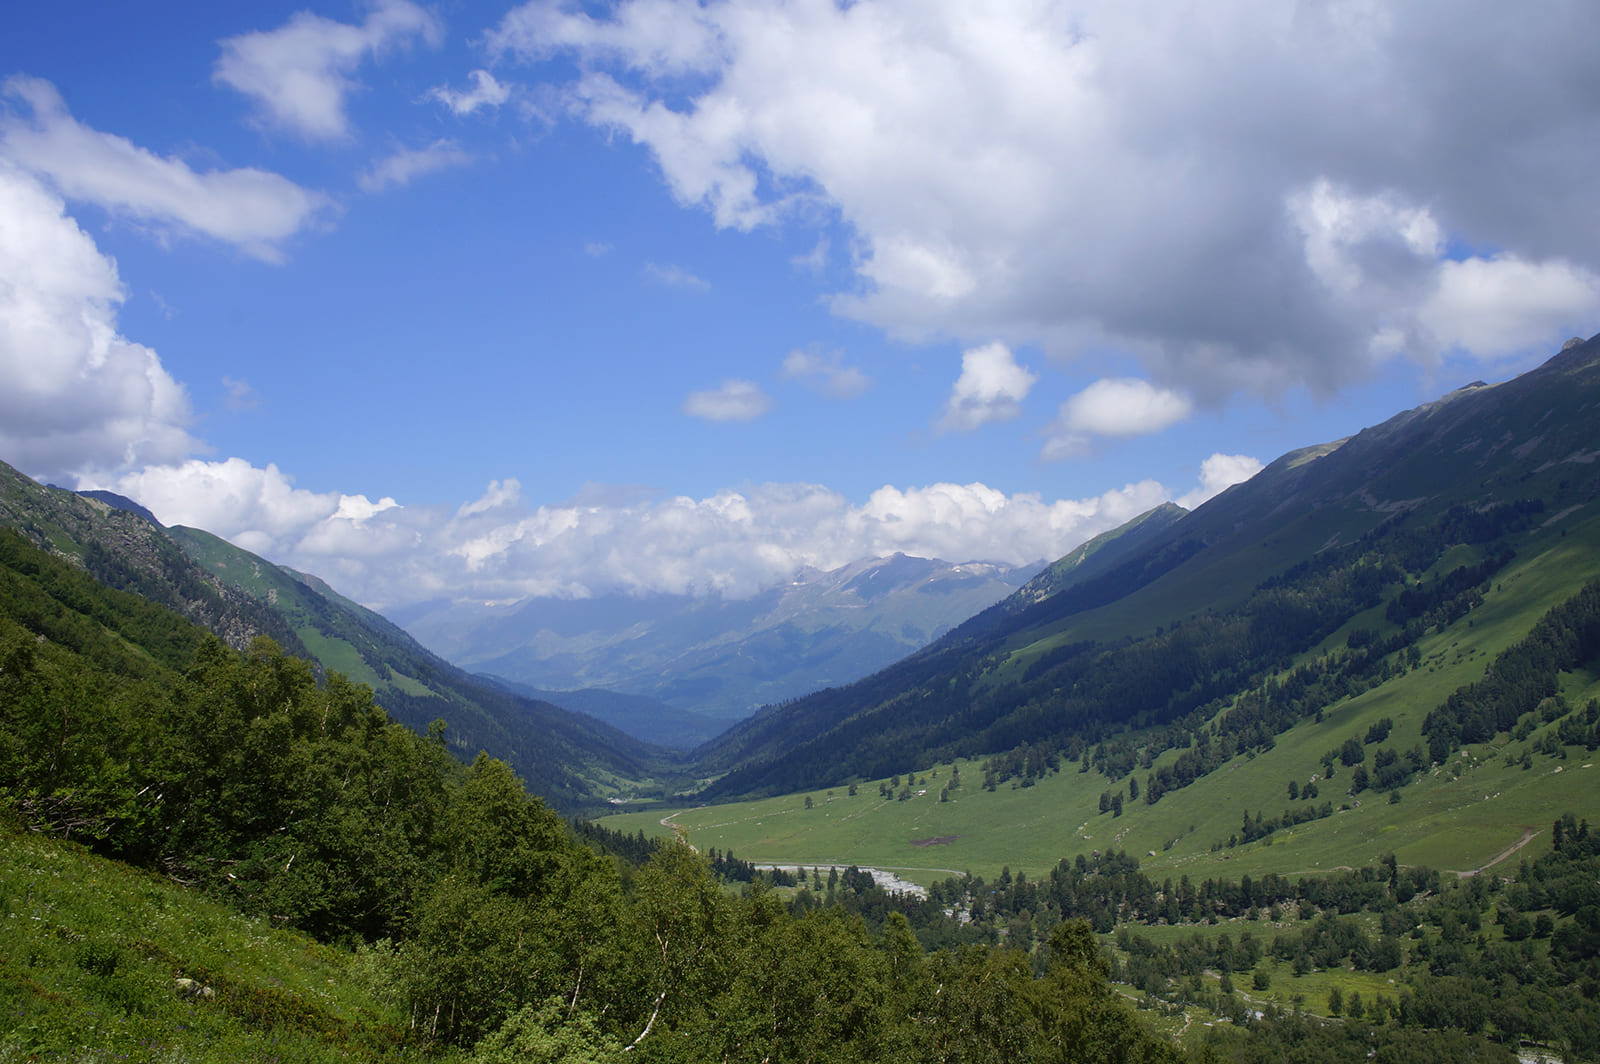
571,759
1398,531
568,757
1099,558
126,551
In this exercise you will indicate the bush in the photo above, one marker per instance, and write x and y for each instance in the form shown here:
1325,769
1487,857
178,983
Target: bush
547,1035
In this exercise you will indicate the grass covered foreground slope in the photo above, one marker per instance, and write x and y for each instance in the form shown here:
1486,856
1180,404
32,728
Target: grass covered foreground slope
105,962
1412,519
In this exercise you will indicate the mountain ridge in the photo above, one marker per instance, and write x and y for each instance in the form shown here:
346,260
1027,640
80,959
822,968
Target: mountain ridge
990,686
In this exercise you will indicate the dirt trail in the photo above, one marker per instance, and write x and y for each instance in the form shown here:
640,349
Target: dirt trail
681,832
1527,837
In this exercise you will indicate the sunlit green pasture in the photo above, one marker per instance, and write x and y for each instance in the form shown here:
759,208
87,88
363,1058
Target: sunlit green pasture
1459,816
91,953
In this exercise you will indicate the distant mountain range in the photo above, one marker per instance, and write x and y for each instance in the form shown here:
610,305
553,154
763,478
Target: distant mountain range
718,657
641,717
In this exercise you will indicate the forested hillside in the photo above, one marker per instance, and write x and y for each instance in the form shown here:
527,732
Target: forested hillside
576,761
1217,622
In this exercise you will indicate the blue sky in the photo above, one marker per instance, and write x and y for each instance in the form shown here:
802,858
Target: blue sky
488,300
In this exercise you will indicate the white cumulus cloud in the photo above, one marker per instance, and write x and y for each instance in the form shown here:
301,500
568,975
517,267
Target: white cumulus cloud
499,547
75,394
991,388
733,400
333,535
1491,307
300,74
1217,474
1243,195
1117,407
252,209
486,92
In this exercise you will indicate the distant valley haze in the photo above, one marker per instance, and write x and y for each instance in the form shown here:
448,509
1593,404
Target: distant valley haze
720,657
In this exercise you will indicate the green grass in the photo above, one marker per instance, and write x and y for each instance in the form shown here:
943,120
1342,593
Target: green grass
90,955
337,655
1456,817
410,685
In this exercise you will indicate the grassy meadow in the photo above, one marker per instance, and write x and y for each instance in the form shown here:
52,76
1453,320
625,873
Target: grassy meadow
91,953
1459,816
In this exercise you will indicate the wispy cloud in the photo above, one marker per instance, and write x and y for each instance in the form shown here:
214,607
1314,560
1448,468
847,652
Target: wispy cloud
676,277
299,74
254,210
827,372
814,260
733,400
408,164
238,395
486,93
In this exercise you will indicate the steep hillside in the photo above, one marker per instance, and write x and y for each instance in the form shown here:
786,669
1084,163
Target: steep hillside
1090,561
126,550
569,757
572,759
101,962
716,656
1403,526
